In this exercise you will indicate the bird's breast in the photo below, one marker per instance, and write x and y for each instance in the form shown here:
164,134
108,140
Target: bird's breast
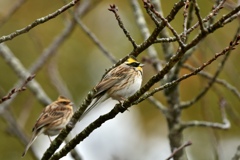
129,88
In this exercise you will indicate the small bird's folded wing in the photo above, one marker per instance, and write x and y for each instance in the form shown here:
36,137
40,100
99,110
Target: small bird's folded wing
50,114
112,78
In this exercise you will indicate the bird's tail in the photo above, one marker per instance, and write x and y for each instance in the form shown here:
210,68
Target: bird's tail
34,136
92,105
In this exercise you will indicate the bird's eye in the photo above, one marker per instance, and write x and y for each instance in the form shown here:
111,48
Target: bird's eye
65,102
134,64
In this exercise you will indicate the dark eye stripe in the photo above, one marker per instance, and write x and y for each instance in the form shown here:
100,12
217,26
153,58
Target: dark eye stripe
134,64
64,102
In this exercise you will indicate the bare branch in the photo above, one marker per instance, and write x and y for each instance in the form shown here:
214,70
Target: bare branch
217,2
185,20
23,74
230,19
197,12
61,137
17,90
219,69
113,8
94,38
165,40
159,105
188,143
57,142
151,14
149,6
52,48
146,33
168,48
190,15
37,22
196,71
222,82
57,81
148,42
224,125
208,17
47,53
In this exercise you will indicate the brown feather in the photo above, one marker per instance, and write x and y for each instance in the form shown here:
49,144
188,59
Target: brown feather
112,78
52,119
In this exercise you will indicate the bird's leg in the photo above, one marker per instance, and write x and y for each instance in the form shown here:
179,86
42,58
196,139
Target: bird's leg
121,102
50,139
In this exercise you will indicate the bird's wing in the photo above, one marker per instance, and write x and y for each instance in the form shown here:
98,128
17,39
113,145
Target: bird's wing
106,83
113,77
51,113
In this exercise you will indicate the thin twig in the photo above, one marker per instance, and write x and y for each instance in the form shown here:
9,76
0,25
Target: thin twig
46,54
57,80
197,12
180,53
185,20
168,48
61,137
159,105
57,142
208,17
148,5
113,8
52,48
196,71
96,41
212,81
188,143
165,40
17,90
190,15
152,15
224,125
230,19
23,74
130,100
37,22
222,82
211,20
146,33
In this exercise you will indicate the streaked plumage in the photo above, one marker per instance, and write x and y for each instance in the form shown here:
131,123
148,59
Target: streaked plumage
52,120
119,83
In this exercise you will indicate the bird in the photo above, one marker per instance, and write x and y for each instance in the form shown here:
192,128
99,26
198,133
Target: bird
52,120
119,83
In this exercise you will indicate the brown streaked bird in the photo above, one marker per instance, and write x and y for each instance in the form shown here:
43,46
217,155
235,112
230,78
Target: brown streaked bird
52,119
119,83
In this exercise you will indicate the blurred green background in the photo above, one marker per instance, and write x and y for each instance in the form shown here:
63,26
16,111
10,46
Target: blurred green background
81,64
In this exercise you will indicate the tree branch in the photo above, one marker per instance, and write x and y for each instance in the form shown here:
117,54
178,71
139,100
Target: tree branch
113,8
37,22
224,125
17,90
188,143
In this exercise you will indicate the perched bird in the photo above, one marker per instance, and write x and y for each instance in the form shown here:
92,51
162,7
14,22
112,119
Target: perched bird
119,83
52,119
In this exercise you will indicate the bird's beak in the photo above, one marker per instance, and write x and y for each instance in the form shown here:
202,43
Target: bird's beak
141,65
